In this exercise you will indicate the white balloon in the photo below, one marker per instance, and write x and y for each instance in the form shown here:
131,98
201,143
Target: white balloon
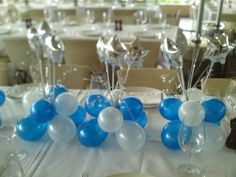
61,129
66,104
215,138
30,97
191,113
195,94
110,119
131,136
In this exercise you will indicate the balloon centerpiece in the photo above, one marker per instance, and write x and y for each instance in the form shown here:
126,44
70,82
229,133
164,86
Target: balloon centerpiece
59,113
193,108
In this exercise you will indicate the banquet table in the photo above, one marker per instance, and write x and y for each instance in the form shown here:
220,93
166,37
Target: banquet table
47,158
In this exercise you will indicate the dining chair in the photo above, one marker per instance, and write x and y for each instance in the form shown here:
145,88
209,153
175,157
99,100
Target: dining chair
4,74
82,52
123,12
33,14
161,79
19,55
151,60
18,51
76,19
73,76
220,84
132,20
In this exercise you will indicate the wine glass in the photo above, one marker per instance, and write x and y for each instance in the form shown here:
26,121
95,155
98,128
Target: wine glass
230,96
191,140
8,130
11,167
90,16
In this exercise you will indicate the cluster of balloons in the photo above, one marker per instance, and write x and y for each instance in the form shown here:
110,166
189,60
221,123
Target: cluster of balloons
64,118
59,118
192,112
126,120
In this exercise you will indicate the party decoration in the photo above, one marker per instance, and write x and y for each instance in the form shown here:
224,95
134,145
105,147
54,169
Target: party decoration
101,47
79,115
2,97
169,108
131,136
31,97
191,113
110,119
66,104
215,138
30,130
58,90
94,104
55,49
173,56
169,135
195,94
44,31
115,51
90,134
131,108
214,110
61,129
136,53
33,40
142,120
42,111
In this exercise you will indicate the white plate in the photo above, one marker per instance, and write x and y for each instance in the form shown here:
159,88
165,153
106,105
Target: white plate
145,34
93,33
130,175
150,97
18,91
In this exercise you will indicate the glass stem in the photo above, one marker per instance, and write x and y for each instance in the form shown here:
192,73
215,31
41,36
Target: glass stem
14,154
189,158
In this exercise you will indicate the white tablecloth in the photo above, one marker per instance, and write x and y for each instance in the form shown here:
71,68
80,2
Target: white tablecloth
70,160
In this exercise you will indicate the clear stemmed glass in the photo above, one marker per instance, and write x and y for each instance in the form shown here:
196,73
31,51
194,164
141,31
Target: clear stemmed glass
8,131
12,166
230,96
90,15
191,140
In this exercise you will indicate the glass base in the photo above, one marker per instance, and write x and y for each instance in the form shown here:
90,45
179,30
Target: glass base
188,170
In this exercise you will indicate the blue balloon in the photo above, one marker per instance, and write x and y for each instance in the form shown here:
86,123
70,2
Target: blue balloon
131,108
30,130
79,116
169,135
90,134
169,108
214,110
58,89
2,97
142,120
43,111
94,104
